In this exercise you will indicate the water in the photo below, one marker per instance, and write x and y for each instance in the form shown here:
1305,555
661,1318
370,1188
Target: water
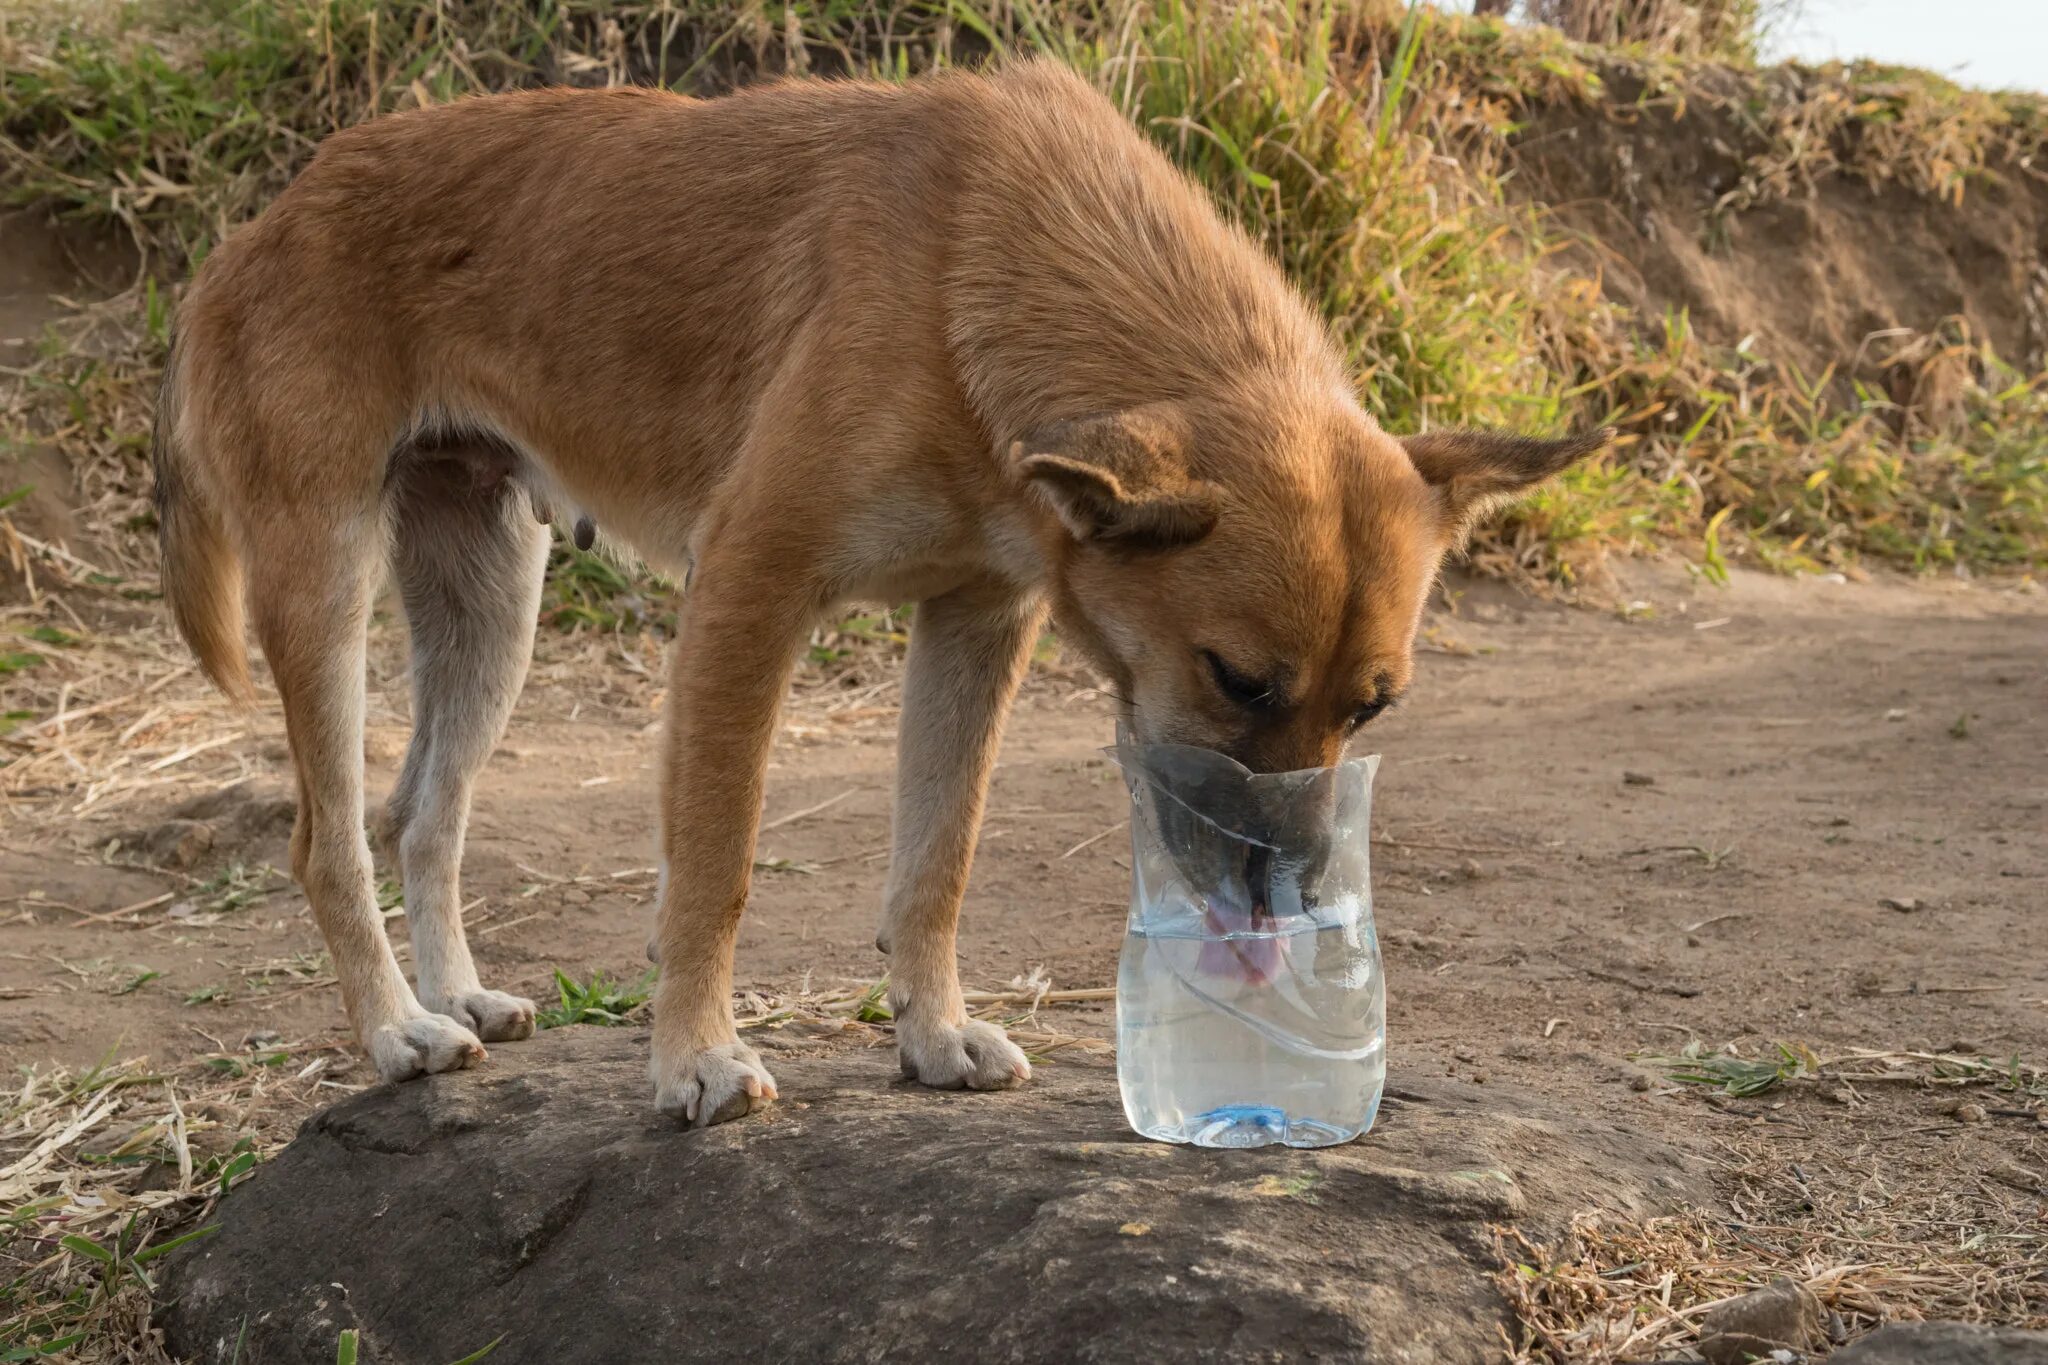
1240,1033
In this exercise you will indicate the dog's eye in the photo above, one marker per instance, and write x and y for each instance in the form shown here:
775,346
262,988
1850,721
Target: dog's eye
1251,693
1365,714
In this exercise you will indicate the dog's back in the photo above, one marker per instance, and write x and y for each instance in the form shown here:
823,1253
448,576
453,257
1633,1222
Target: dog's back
612,282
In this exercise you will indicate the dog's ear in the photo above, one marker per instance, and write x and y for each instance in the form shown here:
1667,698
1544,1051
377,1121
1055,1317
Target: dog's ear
1120,479
1476,471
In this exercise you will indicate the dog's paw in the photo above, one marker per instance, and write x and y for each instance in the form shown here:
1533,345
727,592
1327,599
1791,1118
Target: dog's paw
492,1016
970,1056
711,1085
422,1044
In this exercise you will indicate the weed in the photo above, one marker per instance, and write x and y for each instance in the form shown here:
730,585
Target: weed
1739,1076
143,976
237,887
598,1001
239,1066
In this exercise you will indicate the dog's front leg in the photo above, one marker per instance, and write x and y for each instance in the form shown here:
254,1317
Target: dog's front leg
740,623
968,651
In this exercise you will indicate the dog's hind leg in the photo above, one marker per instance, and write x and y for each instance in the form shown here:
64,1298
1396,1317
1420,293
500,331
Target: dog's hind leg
469,559
968,650
312,571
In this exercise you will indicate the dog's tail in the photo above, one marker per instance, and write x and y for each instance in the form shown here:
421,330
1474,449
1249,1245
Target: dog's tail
202,575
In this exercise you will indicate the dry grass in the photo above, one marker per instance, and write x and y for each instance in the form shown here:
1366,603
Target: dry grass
1886,1212
1721,29
104,1170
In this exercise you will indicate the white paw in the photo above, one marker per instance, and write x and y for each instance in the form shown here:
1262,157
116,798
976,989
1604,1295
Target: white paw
423,1044
972,1056
711,1085
492,1016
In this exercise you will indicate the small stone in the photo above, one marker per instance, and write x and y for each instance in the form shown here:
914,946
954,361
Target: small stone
1902,904
1635,779
180,843
2019,1177
575,897
1783,1315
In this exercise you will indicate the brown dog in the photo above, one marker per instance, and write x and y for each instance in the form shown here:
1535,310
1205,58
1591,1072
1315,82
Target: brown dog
970,342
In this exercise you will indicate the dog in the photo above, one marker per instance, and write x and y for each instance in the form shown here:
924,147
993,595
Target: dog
969,342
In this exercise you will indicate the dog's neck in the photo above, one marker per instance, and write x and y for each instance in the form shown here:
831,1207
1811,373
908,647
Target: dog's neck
1176,302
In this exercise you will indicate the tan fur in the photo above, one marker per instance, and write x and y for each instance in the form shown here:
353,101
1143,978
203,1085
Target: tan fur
970,342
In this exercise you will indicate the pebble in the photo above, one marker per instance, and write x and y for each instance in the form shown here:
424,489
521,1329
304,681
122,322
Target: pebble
1783,1315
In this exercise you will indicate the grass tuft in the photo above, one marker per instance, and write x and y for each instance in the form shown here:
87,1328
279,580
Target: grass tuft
599,1000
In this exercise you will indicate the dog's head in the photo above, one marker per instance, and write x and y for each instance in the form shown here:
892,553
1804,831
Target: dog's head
1251,576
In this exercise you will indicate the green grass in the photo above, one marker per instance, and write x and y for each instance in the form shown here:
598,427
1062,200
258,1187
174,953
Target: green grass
1740,1077
599,1000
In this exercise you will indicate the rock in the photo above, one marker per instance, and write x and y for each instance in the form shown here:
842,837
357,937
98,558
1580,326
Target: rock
1783,1315
863,1218
179,843
1905,905
1635,779
1945,1343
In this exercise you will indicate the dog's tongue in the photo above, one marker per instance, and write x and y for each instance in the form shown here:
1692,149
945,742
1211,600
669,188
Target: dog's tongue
1254,961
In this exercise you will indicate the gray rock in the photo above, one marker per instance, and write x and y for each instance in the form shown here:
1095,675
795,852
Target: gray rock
1945,1343
863,1218
1783,1315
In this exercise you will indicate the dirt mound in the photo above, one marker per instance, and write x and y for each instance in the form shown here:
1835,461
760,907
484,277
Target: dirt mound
250,818
1667,196
864,1218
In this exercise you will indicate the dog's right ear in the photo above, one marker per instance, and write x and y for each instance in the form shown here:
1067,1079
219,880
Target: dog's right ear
1120,479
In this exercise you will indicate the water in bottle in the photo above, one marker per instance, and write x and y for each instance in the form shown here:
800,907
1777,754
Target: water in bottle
1250,1006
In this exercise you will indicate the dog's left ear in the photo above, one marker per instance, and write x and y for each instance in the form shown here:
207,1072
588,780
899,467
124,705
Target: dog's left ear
1476,471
